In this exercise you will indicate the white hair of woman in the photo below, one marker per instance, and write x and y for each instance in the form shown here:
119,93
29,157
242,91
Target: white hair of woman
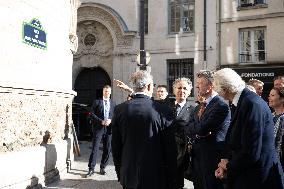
227,79
140,80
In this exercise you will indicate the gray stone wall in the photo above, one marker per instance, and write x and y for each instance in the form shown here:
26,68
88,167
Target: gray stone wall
33,117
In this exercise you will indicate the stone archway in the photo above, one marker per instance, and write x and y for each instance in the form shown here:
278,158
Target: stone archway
112,38
95,47
103,40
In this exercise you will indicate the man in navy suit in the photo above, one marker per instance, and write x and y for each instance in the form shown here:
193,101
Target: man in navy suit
102,114
209,127
250,159
143,146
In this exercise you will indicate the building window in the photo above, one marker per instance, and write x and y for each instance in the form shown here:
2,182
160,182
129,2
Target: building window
252,45
178,68
146,16
181,17
249,3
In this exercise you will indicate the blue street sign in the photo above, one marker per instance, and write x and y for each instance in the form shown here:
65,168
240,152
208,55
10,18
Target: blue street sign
34,35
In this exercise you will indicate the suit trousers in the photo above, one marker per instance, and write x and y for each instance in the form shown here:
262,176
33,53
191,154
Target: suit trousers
205,162
98,135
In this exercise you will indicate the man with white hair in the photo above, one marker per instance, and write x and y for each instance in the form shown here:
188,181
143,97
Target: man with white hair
143,146
250,159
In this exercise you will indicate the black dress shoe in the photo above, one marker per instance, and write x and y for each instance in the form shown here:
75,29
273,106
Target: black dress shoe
90,173
102,171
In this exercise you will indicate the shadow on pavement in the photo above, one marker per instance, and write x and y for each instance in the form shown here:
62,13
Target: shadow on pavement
75,178
85,184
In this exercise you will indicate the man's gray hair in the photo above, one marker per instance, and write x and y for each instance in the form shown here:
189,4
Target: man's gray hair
252,81
207,74
251,88
178,80
140,80
279,77
228,79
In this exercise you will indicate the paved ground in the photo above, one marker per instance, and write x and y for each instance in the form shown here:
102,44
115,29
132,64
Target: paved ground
75,179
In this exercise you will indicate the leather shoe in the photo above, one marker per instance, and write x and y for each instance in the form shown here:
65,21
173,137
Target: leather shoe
102,171
90,173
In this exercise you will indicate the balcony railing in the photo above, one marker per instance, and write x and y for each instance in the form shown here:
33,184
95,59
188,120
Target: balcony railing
252,58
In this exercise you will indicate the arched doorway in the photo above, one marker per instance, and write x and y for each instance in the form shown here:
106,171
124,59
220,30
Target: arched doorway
89,85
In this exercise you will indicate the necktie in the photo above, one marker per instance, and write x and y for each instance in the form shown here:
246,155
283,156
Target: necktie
178,108
201,109
106,109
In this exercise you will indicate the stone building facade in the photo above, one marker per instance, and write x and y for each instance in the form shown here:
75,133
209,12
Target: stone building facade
108,35
36,90
251,39
88,43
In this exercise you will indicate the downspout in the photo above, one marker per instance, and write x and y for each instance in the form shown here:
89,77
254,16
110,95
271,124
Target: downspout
219,33
205,35
142,32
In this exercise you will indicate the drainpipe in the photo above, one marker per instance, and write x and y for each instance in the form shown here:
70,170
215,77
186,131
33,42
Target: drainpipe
205,35
142,42
219,33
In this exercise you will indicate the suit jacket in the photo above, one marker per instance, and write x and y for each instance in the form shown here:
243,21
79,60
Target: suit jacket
98,114
253,162
207,148
215,119
179,124
143,147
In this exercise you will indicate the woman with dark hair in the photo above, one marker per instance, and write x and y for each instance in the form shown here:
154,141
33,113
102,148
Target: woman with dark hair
276,101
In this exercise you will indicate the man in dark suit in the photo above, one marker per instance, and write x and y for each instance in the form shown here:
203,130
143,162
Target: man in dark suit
162,92
250,159
182,110
143,147
210,126
102,114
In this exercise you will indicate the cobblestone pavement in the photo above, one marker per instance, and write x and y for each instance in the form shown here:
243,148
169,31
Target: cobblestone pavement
75,179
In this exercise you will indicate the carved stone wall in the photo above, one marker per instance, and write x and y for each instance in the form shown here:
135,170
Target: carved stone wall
95,47
109,35
102,44
30,118
96,13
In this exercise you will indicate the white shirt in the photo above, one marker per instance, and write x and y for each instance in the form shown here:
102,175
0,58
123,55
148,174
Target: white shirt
237,97
106,107
208,100
141,93
180,104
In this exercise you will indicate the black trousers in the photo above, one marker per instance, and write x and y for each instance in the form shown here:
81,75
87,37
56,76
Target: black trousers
205,162
98,135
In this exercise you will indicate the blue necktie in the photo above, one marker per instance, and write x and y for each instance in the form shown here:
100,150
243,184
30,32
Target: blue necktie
106,109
